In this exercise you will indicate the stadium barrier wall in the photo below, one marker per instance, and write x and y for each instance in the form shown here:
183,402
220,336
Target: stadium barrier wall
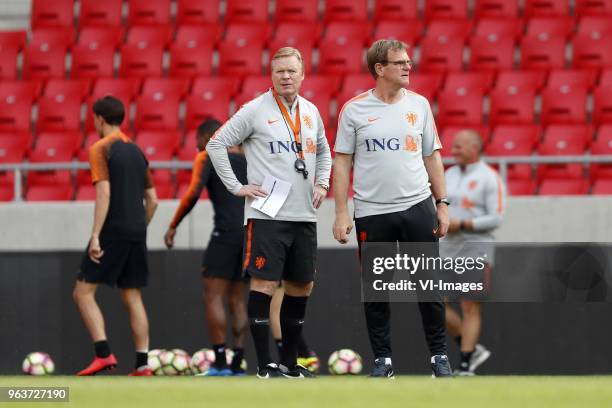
37,313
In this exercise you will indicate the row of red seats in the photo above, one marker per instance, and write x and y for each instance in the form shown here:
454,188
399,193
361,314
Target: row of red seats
166,146
492,47
460,101
109,12
547,187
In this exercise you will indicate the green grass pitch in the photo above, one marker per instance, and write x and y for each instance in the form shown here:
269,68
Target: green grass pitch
341,392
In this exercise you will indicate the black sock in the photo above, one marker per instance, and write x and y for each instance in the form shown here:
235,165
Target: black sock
465,360
292,315
220,360
258,310
237,359
142,359
302,347
458,340
102,349
279,346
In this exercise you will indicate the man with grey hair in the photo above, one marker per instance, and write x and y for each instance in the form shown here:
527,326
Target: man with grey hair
389,137
283,137
477,196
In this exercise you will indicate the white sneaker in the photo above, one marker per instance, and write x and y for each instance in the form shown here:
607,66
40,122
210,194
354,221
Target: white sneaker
480,355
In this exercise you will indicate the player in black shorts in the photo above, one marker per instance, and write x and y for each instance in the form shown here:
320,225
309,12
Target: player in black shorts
222,263
117,250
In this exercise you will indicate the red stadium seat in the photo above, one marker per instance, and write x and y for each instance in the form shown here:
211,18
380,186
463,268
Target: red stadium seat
519,81
53,148
441,56
602,145
96,37
60,192
345,10
521,187
602,106
205,105
592,52
152,141
558,79
564,105
439,9
447,30
8,64
246,12
189,62
52,13
58,113
100,13
459,109
195,36
143,12
556,187
406,31
169,88
602,187
593,8
595,26
546,8
293,33
15,114
19,90
512,107
496,29
139,62
244,34
514,140
149,36
156,113
496,8
240,61
343,32
197,12
395,10
15,40
92,63
491,53
125,89
314,84
86,193
550,27
67,89
252,87
13,149
425,83
542,53
52,37
212,87
43,63
7,193
187,153
302,11
354,85
164,190
563,140
330,135
336,60
465,82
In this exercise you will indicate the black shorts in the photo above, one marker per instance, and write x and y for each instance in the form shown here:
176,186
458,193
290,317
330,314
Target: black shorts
415,224
280,250
223,256
124,264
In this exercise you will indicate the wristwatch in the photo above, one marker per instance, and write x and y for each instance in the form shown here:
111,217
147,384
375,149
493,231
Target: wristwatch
324,187
442,200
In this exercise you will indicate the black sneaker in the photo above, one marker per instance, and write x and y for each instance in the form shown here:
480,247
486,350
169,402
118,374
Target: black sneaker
298,372
382,370
440,366
269,371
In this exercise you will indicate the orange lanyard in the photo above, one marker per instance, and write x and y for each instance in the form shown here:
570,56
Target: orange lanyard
295,127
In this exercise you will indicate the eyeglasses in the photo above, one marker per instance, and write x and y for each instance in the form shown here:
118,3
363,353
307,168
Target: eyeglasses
401,63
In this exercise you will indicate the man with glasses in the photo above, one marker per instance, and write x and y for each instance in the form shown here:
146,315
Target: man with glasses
283,136
389,136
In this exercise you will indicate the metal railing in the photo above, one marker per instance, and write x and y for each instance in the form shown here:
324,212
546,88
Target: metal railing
503,162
